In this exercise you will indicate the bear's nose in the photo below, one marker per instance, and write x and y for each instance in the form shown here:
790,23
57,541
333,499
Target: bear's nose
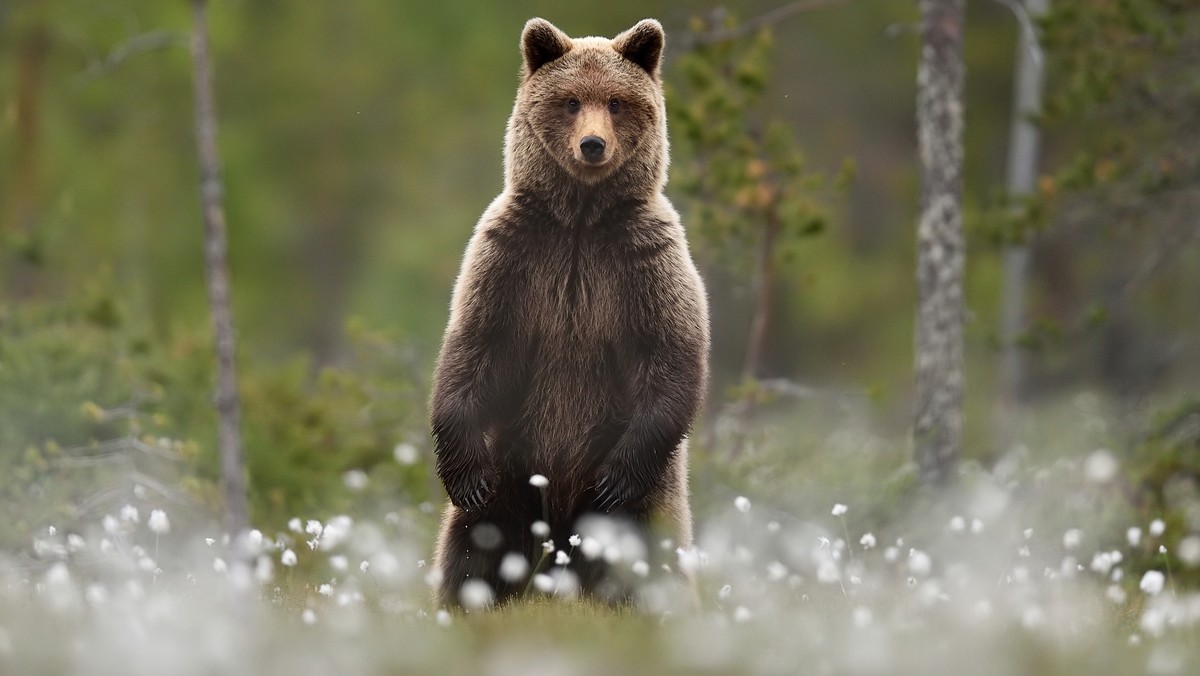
592,147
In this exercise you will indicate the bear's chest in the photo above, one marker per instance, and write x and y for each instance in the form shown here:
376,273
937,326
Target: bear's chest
574,288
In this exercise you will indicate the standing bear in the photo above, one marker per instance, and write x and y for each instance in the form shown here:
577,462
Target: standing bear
578,340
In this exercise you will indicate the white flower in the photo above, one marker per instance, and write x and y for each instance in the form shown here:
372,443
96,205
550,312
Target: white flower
561,558
339,563
574,540
325,590
355,479
1116,594
976,526
1133,536
742,614
405,453
839,509
219,566
308,616
591,548
1028,533
742,503
1157,527
725,592
540,529
209,541
475,594
129,513
364,566
513,567
543,583
158,522
867,541
443,617
1152,582
538,481
313,527
640,568
288,558
1072,538
919,562
1188,551
957,524
1101,466
294,524
110,524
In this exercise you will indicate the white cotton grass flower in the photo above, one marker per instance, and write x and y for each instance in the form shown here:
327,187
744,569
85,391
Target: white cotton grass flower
264,570
513,567
158,522
364,566
219,566
561,558
725,592
355,480
1101,466
540,529
742,614
443,617
591,548
919,562
475,594
1188,551
339,563
538,481
976,526
543,583
640,568
1072,538
295,525
1133,536
1157,528
110,524
309,616
957,524
839,509
325,590
742,504
313,527
288,558
209,541
574,540
406,453
129,514
1152,582
867,541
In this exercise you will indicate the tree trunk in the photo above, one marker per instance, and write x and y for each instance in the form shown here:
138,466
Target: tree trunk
233,478
26,188
1022,173
940,246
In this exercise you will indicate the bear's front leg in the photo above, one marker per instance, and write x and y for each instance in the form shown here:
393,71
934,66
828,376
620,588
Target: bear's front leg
464,465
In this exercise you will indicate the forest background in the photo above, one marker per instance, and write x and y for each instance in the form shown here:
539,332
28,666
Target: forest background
361,141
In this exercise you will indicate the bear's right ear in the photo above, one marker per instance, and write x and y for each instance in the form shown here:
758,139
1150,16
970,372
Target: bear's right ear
542,43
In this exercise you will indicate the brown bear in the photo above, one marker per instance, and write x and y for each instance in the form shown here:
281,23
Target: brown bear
578,339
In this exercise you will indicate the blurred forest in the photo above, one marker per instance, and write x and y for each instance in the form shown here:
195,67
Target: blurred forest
362,140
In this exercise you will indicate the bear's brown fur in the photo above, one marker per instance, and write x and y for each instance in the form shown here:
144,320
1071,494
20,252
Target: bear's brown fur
578,336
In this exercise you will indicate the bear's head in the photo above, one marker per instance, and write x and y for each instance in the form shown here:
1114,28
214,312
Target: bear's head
589,110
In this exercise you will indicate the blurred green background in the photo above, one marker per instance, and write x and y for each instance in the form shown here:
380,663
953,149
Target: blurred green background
360,142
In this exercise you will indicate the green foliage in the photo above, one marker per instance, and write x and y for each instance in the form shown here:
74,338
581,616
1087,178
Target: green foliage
739,167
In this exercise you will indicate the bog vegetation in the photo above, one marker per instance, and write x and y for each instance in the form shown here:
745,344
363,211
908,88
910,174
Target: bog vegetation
359,143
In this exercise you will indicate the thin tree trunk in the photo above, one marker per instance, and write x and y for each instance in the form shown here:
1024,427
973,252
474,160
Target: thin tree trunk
26,189
233,478
764,295
937,429
1022,172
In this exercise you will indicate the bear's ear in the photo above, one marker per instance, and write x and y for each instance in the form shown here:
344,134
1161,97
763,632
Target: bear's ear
542,43
643,45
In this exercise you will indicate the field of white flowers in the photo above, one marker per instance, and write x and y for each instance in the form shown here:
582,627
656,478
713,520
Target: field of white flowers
1004,574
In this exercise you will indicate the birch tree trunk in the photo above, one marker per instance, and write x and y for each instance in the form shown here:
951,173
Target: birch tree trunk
937,429
233,478
1022,171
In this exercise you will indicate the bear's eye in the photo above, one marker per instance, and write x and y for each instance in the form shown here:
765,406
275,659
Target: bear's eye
613,105
573,105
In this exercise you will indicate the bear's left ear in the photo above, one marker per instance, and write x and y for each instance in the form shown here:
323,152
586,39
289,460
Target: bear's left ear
643,45
542,43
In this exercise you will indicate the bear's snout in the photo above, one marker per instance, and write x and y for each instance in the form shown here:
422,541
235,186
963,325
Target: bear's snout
592,148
